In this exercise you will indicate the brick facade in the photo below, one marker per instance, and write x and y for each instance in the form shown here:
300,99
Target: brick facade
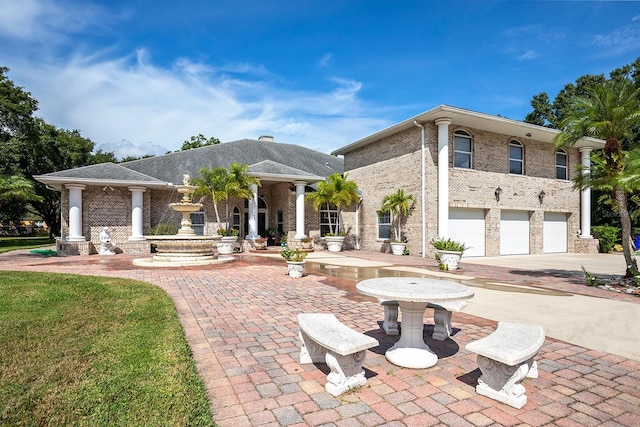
383,166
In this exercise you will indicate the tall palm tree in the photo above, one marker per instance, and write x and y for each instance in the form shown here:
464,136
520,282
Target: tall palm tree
400,205
225,184
610,111
338,191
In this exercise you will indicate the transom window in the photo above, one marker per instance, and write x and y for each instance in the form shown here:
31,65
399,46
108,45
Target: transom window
384,225
462,150
516,158
561,165
325,215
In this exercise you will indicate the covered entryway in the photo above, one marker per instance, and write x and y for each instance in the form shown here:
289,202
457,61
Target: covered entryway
554,232
468,226
514,232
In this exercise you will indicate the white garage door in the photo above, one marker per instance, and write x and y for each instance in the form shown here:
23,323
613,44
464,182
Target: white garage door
554,232
514,232
468,226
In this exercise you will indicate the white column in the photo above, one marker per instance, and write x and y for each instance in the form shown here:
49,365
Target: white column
253,213
443,176
75,212
137,210
585,197
300,186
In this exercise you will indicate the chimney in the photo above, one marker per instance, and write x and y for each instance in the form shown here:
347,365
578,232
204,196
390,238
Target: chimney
266,138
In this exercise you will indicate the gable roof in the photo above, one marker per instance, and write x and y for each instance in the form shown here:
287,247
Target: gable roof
471,119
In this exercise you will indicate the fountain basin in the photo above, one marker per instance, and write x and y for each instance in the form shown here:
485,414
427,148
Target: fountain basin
183,250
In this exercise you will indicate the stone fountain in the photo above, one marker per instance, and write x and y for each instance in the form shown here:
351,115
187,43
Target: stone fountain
185,248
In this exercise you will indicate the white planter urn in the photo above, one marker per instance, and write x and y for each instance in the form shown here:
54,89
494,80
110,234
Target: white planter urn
397,248
227,245
296,268
450,259
334,243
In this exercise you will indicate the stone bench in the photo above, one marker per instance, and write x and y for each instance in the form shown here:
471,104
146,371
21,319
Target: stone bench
441,317
505,358
326,340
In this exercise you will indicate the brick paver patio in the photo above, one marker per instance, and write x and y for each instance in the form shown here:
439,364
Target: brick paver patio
240,320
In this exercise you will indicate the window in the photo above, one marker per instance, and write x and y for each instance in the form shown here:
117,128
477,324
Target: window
235,219
516,158
561,165
384,225
462,153
197,222
325,215
280,221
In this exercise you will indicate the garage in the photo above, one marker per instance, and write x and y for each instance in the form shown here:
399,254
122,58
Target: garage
554,232
468,226
514,232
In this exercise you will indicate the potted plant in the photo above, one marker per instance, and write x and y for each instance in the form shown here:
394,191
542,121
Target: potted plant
228,241
295,261
306,242
337,191
259,243
400,205
274,236
448,252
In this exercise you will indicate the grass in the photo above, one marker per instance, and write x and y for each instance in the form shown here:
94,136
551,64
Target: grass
94,351
12,243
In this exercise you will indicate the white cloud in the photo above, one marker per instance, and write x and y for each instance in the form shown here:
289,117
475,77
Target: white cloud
530,54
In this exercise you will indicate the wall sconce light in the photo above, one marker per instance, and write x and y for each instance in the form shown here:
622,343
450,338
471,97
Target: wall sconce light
497,193
541,196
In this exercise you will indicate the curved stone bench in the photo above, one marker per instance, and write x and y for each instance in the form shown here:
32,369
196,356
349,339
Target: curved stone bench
325,339
505,358
441,317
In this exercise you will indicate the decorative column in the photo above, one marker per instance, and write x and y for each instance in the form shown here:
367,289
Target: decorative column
137,210
443,176
585,196
75,212
300,186
253,213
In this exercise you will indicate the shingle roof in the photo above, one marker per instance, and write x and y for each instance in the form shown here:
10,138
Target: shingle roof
171,167
103,173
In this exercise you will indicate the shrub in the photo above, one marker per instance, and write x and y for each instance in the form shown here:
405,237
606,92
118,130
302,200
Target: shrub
607,235
164,229
443,244
293,255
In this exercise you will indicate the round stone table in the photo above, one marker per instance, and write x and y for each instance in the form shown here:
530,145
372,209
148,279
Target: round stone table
413,294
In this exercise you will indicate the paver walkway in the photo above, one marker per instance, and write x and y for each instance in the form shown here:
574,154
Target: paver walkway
240,320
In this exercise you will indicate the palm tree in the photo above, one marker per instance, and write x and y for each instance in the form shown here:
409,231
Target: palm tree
211,182
338,191
610,111
222,184
400,205
15,188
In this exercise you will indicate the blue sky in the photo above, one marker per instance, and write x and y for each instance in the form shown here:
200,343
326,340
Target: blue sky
140,77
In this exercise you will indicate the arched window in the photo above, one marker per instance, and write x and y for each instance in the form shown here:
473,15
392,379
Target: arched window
516,158
562,165
462,150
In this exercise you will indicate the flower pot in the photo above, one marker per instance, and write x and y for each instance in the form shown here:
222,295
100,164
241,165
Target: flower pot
397,248
334,243
296,268
227,245
449,259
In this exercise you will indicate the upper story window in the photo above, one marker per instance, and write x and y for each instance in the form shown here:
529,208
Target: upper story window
562,170
462,150
516,158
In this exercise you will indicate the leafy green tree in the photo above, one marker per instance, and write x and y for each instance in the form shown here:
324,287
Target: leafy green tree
610,112
211,182
400,205
16,192
199,141
338,191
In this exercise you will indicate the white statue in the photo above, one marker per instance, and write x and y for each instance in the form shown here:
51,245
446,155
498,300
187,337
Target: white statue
186,179
106,245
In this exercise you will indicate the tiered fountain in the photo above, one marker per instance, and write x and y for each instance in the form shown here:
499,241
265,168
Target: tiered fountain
185,248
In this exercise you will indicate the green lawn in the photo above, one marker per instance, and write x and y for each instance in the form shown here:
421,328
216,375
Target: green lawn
94,351
12,243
